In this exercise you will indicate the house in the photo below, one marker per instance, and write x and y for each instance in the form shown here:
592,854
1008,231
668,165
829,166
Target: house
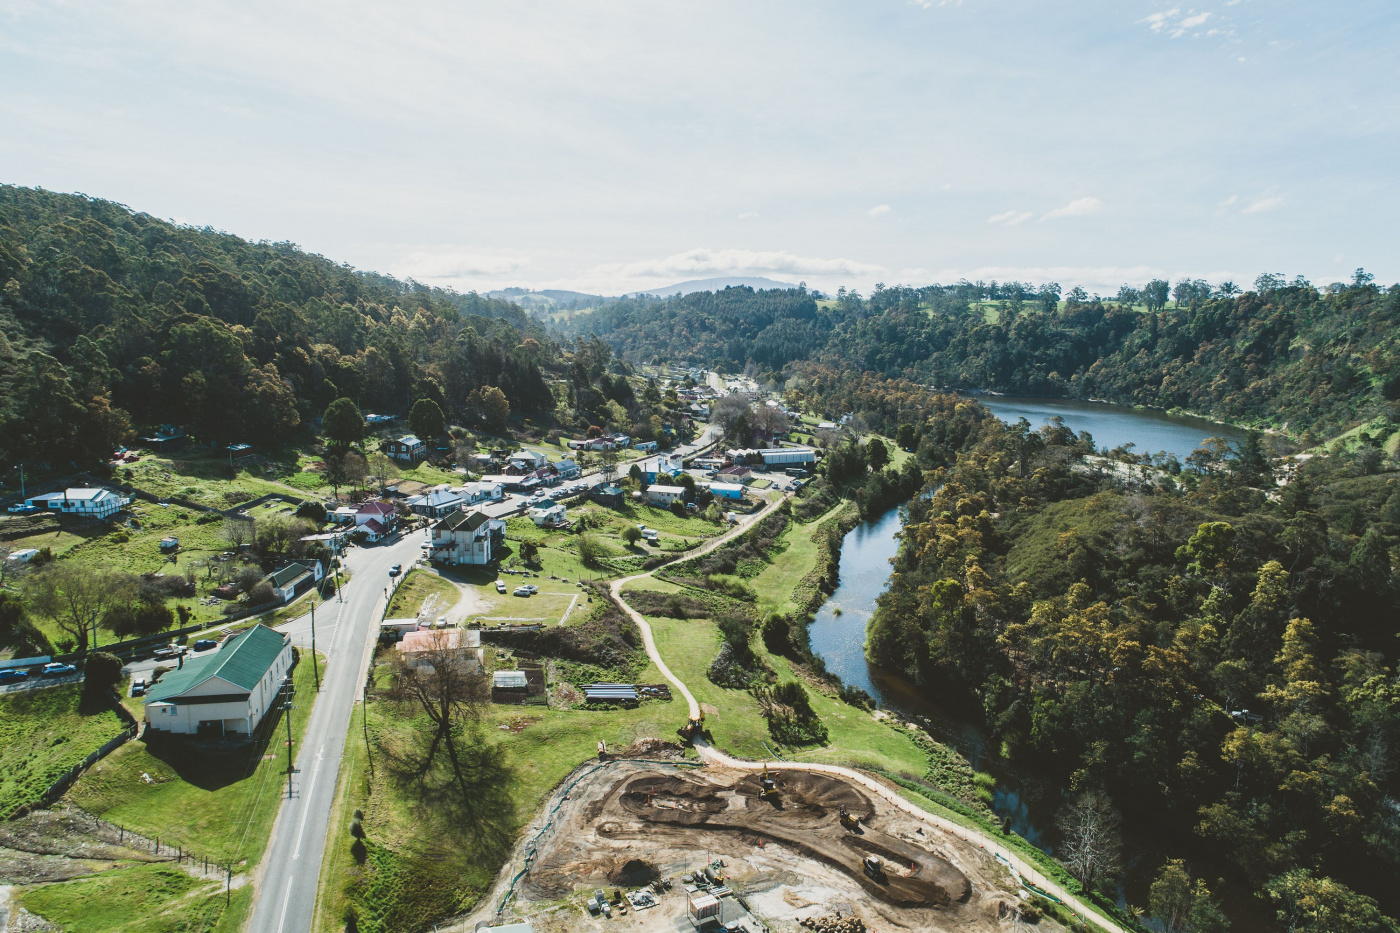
646,447
343,515
827,426
471,538
608,495
727,490
82,501
552,514
657,468
407,448
735,474
166,437
787,456
527,461
224,692
293,578
482,491
621,441
664,495
481,463
568,469
436,502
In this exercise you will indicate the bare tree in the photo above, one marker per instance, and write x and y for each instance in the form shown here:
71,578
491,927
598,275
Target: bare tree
382,468
75,598
445,685
239,531
726,411
609,465
1092,841
770,420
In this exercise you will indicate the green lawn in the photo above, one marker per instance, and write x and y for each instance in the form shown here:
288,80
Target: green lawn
417,588
42,735
138,899
219,805
775,583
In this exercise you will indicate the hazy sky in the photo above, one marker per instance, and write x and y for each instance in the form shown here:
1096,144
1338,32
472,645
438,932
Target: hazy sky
617,146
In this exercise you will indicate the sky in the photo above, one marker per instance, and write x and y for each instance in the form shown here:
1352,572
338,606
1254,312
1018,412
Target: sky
609,147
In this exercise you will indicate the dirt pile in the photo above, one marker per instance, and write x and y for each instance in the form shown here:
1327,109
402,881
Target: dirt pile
834,924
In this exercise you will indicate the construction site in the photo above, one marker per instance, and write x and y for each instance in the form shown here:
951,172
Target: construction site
661,846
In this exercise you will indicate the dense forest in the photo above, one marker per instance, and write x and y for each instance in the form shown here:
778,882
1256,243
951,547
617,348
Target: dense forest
1209,652
112,320
1284,353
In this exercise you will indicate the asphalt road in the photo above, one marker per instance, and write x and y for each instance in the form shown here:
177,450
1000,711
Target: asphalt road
287,879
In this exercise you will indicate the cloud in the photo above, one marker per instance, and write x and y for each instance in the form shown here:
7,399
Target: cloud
1260,205
1076,208
879,209
1174,24
1010,218
748,215
1103,280
452,263
1191,22
620,278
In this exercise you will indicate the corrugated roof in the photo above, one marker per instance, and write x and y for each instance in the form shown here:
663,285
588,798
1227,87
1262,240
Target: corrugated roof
509,679
287,575
243,660
464,521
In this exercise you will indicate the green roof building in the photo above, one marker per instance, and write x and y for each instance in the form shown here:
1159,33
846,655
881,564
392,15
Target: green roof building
224,692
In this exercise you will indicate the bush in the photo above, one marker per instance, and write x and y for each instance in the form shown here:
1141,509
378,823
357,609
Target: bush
777,636
261,593
678,508
631,535
591,551
102,672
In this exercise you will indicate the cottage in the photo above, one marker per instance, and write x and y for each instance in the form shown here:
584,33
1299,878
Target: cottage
664,495
291,579
527,461
381,513
655,469
727,490
551,514
467,538
228,691
82,501
735,474
607,494
646,447
407,448
481,463
436,502
568,469
482,491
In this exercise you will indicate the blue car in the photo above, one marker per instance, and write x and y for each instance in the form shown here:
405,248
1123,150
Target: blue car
58,670
9,675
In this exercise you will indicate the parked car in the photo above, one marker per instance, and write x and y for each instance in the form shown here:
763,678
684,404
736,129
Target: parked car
532,588
169,651
500,586
22,508
395,570
10,675
204,644
138,688
56,669
522,591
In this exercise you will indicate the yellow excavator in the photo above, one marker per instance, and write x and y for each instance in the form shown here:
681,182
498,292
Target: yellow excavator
768,787
848,821
693,727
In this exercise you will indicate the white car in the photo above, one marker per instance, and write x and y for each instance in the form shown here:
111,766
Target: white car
500,586
522,591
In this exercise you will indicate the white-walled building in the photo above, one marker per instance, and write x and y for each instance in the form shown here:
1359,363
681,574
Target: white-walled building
664,495
552,514
225,692
84,501
467,538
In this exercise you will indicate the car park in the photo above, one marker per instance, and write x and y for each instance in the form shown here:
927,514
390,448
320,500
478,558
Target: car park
11,675
57,669
204,644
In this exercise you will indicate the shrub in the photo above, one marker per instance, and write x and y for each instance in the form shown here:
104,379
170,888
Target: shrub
631,535
102,672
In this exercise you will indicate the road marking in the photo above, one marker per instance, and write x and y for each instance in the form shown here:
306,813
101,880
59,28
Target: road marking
306,802
282,923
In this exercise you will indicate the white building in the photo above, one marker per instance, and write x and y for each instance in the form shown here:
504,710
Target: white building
527,461
552,514
85,502
483,491
664,495
472,538
787,456
436,502
228,691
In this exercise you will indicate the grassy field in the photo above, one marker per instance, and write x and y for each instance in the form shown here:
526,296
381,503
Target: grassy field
217,805
418,587
774,584
42,735
139,899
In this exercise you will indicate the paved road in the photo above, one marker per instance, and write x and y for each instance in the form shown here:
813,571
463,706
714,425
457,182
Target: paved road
290,871
883,790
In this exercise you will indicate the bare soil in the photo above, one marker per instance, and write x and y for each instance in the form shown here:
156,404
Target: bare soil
626,824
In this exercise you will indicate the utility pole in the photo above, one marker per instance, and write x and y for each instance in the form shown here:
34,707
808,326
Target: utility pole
287,708
364,720
315,668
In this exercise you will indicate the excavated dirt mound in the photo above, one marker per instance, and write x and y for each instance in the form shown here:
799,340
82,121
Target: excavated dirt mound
635,873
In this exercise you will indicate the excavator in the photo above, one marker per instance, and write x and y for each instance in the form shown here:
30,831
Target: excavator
848,821
768,787
693,727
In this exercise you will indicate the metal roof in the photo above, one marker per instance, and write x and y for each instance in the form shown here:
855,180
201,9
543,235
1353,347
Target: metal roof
509,679
242,661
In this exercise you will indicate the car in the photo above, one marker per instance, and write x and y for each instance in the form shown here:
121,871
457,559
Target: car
395,570
441,622
169,651
22,508
56,669
500,586
204,644
522,591
10,675
138,688
532,588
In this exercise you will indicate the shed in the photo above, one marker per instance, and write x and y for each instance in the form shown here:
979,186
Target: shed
702,908
509,680
727,490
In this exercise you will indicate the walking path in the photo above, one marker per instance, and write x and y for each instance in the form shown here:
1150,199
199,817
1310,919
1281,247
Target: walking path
711,754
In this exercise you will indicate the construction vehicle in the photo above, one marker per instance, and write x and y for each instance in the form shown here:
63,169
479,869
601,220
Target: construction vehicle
872,867
768,787
693,727
849,822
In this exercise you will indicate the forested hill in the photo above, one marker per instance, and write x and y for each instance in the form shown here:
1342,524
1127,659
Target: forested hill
1283,353
110,318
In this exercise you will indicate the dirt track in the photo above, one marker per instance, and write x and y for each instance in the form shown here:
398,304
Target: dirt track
628,823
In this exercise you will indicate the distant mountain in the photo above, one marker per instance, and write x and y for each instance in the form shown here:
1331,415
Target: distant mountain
758,283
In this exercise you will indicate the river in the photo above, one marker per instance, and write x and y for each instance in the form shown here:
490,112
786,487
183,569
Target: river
838,631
